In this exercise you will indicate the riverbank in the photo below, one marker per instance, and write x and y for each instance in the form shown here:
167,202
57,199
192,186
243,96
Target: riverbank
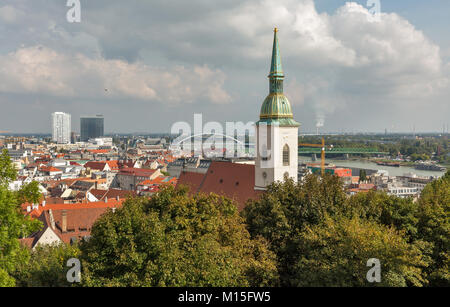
366,163
401,163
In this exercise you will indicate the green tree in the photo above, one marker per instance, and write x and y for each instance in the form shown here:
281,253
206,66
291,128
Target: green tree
362,175
13,224
8,172
434,227
387,210
284,211
336,252
46,266
174,239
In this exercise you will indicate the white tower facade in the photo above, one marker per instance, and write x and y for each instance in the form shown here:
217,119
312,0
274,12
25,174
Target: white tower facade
61,127
276,131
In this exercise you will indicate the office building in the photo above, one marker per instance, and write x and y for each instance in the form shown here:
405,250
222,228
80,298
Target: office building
91,127
61,125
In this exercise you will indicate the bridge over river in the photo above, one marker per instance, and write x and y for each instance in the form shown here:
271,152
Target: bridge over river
339,151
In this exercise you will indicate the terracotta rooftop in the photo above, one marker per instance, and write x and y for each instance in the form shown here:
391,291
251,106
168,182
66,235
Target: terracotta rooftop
49,169
112,203
192,180
233,180
96,165
79,223
111,193
141,172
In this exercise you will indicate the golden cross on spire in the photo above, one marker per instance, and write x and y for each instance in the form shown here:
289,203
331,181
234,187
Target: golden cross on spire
275,30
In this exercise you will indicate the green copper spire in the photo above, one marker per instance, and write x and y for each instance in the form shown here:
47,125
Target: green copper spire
276,70
276,108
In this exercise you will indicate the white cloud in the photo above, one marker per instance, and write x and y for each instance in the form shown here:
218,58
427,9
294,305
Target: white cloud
345,56
337,65
9,14
42,70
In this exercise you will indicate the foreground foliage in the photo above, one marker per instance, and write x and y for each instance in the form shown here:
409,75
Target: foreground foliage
176,240
13,224
336,252
323,238
46,267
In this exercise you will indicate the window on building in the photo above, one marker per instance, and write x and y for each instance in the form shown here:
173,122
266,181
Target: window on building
286,155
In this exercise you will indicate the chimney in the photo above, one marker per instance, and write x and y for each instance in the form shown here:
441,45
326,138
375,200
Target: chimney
52,220
64,221
117,198
28,208
44,203
106,199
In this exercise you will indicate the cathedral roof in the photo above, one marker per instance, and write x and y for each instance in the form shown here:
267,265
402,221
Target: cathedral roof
276,69
276,108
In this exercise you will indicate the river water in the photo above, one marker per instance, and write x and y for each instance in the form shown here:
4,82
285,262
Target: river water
393,171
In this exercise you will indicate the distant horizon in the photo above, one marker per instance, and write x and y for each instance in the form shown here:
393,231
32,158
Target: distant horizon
417,133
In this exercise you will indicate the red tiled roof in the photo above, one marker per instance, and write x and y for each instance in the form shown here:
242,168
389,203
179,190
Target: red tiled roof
97,151
236,181
125,164
98,193
141,172
111,193
49,169
112,203
159,180
113,164
79,223
97,165
191,179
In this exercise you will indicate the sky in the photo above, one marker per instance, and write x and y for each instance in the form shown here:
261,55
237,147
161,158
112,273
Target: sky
146,65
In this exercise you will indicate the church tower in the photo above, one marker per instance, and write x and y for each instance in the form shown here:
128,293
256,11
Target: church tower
276,131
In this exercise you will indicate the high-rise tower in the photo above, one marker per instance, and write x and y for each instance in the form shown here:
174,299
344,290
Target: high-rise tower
276,130
61,124
91,127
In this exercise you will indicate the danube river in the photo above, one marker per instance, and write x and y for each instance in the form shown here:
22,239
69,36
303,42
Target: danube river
393,171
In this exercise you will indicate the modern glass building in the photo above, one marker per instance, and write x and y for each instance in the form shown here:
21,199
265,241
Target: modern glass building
91,127
61,127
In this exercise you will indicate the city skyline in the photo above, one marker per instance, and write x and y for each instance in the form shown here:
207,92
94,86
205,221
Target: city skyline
346,73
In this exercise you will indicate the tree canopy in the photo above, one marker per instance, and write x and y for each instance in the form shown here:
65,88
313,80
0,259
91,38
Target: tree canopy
433,226
46,267
174,239
321,237
13,224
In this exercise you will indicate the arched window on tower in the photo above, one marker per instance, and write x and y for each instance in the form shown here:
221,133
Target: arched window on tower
286,155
